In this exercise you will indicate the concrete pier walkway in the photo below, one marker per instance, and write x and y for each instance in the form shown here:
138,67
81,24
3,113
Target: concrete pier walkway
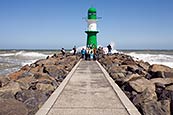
88,90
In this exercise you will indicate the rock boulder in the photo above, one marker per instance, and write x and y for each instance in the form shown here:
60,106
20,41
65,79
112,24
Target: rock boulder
156,108
160,71
9,90
12,107
139,84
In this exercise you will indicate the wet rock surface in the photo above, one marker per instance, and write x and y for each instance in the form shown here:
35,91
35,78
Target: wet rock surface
149,87
32,85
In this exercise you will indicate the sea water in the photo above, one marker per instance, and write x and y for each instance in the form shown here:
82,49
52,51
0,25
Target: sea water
13,60
164,57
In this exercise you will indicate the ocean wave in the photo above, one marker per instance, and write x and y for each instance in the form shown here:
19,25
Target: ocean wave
154,58
24,54
12,61
30,54
8,54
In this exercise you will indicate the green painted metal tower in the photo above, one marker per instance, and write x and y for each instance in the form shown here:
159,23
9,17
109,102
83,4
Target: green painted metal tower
92,28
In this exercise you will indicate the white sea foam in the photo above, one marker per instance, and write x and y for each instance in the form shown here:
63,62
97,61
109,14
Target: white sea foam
154,58
8,54
12,61
24,54
30,54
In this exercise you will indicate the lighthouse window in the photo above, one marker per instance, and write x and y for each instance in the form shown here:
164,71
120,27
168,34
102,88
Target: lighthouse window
92,14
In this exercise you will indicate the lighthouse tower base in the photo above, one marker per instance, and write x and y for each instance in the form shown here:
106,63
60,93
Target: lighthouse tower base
91,39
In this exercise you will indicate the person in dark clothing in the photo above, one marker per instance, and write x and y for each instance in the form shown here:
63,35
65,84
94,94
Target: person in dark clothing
74,50
95,54
87,55
63,51
109,49
83,51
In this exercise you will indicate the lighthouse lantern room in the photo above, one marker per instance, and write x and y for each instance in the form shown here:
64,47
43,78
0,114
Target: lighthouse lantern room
92,28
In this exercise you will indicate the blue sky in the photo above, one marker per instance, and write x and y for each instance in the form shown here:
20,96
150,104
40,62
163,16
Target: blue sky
52,24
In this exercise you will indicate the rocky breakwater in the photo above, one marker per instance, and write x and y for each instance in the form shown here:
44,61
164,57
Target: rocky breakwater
24,92
149,87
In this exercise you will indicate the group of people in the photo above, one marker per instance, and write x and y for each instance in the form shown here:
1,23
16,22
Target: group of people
89,53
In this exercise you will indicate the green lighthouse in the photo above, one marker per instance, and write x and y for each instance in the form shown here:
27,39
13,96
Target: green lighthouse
92,28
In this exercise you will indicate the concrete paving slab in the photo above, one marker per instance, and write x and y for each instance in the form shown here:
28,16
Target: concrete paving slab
89,92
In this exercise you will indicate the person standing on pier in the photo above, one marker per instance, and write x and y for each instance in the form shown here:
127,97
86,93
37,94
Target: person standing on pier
74,50
63,51
109,49
83,51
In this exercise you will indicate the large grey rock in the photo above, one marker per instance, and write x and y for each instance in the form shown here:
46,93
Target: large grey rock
144,65
134,69
146,96
160,71
32,105
39,76
157,67
4,81
26,94
36,69
50,61
71,59
128,61
25,83
26,68
117,69
156,108
170,88
9,90
12,107
140,84
117,76
55,71
45,87
168,74
165,81
164,94
16,75
32,99
131,77
106,61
